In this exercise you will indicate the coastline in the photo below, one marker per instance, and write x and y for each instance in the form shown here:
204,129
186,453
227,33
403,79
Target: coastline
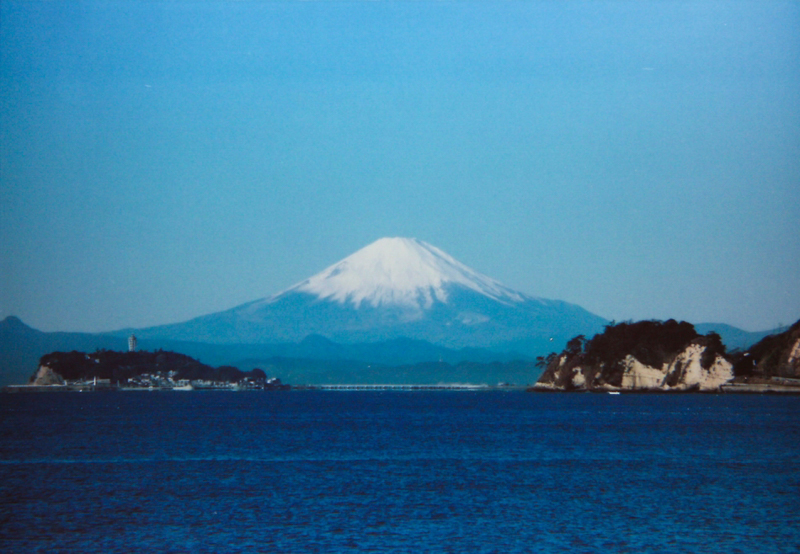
25,389
759,388
778,387
731,388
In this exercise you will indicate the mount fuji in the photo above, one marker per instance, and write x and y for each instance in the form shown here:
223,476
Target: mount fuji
393,288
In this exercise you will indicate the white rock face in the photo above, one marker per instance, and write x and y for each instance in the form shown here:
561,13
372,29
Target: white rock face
689,359
578,378
719,374
640,376
692,374
400,272
794,355
45,376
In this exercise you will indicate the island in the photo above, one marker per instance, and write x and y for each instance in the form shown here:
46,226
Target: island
139,370
671,356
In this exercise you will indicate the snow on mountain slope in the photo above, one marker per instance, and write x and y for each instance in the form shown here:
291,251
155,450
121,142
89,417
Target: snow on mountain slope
399,272
392,288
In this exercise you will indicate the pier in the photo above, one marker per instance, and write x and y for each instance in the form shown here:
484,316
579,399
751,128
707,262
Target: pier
401,387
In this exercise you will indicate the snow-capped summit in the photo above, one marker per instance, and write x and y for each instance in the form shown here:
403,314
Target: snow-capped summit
392,288
401,272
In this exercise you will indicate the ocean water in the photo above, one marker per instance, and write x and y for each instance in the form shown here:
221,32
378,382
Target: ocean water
398,472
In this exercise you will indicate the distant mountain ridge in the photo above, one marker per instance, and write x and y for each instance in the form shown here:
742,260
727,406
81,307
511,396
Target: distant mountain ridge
21,347
315,359
735,338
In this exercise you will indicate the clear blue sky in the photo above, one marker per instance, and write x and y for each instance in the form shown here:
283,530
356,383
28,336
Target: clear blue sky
164,160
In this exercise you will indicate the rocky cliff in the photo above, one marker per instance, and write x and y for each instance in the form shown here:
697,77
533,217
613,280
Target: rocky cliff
775,356
45,376
644,356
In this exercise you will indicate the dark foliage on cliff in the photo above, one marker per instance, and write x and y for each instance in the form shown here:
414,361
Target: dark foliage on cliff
653,343
773,356
118,367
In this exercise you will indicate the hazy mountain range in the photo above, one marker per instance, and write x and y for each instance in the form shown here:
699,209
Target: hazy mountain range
396,303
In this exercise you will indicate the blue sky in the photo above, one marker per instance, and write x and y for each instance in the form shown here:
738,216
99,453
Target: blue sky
164,160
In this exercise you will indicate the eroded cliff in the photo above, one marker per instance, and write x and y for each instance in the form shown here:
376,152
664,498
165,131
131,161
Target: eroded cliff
775,356
644,356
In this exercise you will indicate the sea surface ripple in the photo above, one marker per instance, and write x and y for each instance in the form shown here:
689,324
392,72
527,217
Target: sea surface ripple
311,471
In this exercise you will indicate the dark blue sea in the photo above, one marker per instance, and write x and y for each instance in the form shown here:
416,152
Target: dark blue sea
307,471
